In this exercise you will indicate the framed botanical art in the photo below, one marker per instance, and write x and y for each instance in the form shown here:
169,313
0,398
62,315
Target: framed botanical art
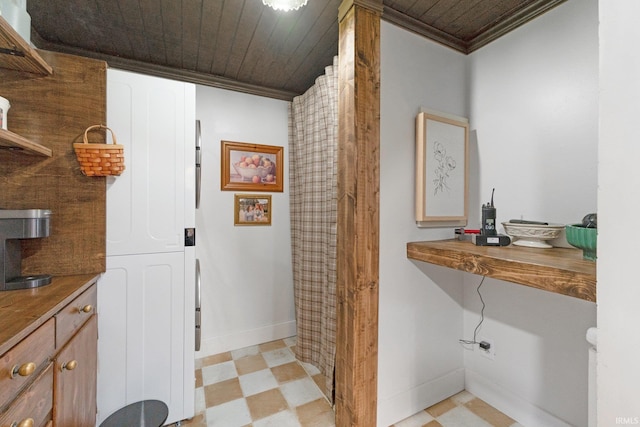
251,167
252,209
442,182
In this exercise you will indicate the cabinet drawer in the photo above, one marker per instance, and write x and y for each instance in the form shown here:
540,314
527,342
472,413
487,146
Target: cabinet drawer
36,402
72,317
28,356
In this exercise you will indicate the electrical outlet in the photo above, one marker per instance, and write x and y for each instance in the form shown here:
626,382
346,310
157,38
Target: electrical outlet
489,353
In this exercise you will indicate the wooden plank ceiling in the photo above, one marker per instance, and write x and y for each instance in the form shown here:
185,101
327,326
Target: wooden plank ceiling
246,46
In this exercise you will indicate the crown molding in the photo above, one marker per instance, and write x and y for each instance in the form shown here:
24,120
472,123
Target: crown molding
485,37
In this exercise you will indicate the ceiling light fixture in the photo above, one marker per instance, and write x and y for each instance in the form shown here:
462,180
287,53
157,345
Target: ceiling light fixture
285,5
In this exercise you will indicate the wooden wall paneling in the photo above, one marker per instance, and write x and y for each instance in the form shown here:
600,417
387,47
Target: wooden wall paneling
358,213
54,111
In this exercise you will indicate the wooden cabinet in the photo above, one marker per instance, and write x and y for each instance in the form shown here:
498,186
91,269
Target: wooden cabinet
24,361
26,370
48,355
33,407
76,362
75,379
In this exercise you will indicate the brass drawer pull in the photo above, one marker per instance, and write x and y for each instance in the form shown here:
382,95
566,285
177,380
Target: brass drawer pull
24,423
86,309
23,370
69,366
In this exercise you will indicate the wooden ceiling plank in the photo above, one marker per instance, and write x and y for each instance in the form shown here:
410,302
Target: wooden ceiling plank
151,16
108,31
191,28
153,31
211,16
451,16
141,50
63,21
131,14
427,9
482,16
41,12
400,5
131,17
171,11
231,12
296,35
316,38
263,62
258,46
245,33
278,46
437,9
313,67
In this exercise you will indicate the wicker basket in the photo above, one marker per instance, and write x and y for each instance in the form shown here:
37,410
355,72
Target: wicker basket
100,159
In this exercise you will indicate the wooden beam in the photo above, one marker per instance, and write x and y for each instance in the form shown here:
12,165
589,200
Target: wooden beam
358,213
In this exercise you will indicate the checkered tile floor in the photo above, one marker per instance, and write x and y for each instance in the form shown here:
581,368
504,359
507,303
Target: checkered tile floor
259,386
461,410
265,386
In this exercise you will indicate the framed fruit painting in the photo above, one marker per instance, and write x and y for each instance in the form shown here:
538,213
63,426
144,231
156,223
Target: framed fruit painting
251,167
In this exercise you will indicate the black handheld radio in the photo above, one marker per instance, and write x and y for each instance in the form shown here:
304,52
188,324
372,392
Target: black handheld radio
489,218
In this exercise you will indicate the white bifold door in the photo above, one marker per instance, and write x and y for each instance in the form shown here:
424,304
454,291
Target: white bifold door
146,298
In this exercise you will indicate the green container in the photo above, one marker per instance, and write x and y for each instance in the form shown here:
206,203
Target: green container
583,238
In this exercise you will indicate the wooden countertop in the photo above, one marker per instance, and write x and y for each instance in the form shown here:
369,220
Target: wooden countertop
22,311
559,270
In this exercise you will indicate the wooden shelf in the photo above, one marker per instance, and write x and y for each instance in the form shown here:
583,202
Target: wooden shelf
559,270
13,141
16,54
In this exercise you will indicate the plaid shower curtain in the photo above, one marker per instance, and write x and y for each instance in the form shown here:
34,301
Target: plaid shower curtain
313,161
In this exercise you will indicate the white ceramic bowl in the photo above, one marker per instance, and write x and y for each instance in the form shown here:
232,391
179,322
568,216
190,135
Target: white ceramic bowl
532,235
248,173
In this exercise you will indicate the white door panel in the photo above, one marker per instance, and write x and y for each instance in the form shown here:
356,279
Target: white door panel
141,333
145,210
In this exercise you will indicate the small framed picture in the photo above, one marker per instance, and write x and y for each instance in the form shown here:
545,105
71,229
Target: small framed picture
442,169
251,167
252,209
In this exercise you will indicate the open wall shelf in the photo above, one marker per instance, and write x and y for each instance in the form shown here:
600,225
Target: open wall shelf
559,270
16,54
13,141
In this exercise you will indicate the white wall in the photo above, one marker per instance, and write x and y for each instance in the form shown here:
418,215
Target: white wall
420,311
247,281
618,206
534,113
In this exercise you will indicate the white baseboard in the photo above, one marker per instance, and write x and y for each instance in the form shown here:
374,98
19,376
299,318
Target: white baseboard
524,412
407,403
220,344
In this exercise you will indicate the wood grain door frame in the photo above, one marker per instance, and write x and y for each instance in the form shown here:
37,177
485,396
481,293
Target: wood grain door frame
358,213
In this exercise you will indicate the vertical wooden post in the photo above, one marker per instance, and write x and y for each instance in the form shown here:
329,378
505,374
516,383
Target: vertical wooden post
358,213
